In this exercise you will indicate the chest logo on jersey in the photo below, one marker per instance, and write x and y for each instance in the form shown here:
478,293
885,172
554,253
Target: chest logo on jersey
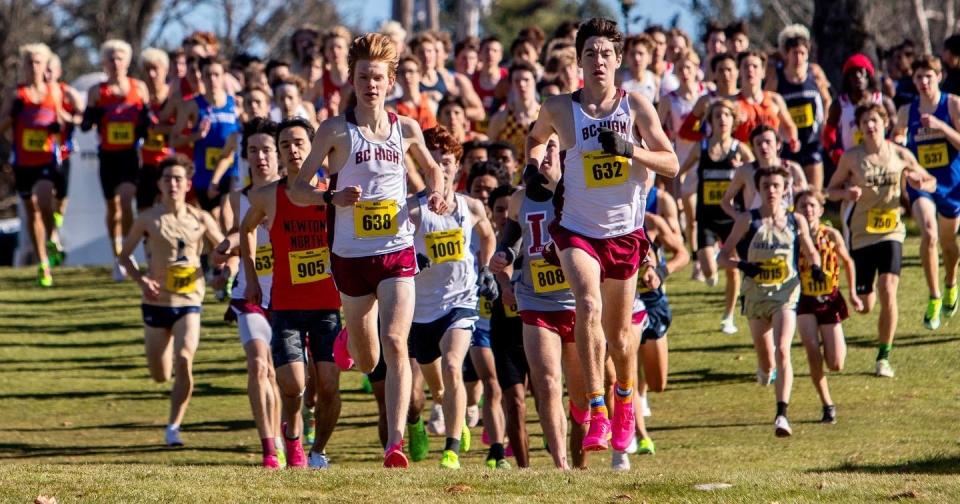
378,153
592,130
879,176
535,221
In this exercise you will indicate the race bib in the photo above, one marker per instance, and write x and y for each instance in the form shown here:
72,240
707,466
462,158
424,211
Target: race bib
773,272
880,221
933,155
263,261
511,311
120,133
308,266
485,307
211,156
857,137
181,279
802,115
154,142
547,277
811,287
641,288
445,246
604,170
373,219
713,191
35,140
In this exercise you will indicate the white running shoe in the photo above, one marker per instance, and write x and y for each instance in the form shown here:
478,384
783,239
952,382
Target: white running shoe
119,272
435,425
173,436
318,460
782,427
620,461
884,369
473,416
727,326
645,407
633,446
764,379
712,281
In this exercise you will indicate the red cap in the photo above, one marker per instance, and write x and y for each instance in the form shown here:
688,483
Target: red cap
858,60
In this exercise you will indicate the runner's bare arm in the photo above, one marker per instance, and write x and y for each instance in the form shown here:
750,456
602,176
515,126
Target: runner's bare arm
736,185
212,229
915,175
849,267
664,109
953,107
6,110
488,240
248,242
728,254
504,259
130,243
474,110
672,242
799,178
331,134
226,159
91,114
536,146
497,122
836,188
807,247
186,115
891,111
690,162
658,154
823,85
787,125
899,133
433,174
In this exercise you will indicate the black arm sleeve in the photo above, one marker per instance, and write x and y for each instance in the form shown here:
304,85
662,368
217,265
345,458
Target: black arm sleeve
16,108
510,239
91,117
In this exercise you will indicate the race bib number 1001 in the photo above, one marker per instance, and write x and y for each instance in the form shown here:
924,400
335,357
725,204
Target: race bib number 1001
445,246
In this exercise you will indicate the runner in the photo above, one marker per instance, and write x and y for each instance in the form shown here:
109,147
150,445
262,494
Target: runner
215,117
511,123
766,146
547,307
487,79
413,103
822,309
869,181
172,233
446,288
437,82
928,123
34,111
73,116
253,321
336,75
597,236
858,87
304,303
637,77
806,91
117,108
155,148
756,106
768,242
372,253
717,161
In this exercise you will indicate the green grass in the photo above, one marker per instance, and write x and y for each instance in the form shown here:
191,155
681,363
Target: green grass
80,420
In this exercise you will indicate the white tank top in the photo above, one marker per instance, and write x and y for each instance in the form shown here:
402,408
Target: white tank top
648,88
379,223
263,260
277,116
599,194
451,280
850,135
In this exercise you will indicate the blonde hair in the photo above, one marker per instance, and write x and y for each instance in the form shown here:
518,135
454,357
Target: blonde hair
723,103
393,29
37,49
689,55
790,32
155,57
374,47
116,46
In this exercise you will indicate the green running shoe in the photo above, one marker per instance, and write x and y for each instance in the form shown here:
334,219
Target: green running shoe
498,464
365,385
55,253
309,435
58,219
281,452
931,319
646,447
419,442
950,301
44,278
450,460
465,439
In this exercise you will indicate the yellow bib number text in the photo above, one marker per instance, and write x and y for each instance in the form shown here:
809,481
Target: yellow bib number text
445,246
308,266
120,133
857,137
713,191
547,277
811,287
933,155
880,221
604,170
373,219
511,311
181,279
802,115
212,156
263,261
772,272
154,142
485,308
35,140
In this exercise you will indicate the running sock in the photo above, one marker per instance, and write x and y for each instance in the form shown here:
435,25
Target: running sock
496,452
624,392
453,444
781,408
268,447
290,438
883,350
598,406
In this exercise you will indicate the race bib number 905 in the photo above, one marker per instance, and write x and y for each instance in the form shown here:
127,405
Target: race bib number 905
604,170
308,266
373,219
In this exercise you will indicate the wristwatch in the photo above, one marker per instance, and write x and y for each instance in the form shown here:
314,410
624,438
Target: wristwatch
328,196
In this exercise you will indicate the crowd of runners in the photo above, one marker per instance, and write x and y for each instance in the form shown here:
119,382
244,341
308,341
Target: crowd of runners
446,223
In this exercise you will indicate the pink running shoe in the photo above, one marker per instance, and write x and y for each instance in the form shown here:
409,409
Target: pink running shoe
394,457
624,423
485,438
598,433
295,456
508,451
341,353
271,462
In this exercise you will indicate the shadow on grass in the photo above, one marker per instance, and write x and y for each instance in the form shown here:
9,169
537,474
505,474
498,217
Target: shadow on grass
941,464
706,377
72,344
29,451
90,327
200,390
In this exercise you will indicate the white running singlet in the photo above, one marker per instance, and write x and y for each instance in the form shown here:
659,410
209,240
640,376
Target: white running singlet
263,261
450,281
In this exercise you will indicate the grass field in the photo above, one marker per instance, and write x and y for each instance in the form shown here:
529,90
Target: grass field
80,420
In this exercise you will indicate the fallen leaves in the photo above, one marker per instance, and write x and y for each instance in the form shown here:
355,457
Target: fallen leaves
458,489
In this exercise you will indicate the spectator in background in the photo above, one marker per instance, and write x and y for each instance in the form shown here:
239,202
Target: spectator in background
715,41
466,56
637,77
413,103
738,37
